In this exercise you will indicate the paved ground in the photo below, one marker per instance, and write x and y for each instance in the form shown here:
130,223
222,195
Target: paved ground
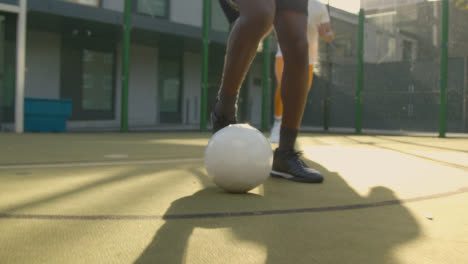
146,198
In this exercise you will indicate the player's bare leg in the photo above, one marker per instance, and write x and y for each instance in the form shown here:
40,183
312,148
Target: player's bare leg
255,21
291,28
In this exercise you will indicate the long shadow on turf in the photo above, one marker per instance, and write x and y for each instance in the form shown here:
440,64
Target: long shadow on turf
88,185
342,234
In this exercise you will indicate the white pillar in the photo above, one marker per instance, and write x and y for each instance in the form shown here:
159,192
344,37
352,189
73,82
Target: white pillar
20,66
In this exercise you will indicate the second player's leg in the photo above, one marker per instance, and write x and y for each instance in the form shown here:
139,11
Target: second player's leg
279,66
311,77
278,107
275,130
291,28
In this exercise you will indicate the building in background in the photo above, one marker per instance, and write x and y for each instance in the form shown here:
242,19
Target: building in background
74,51
403,62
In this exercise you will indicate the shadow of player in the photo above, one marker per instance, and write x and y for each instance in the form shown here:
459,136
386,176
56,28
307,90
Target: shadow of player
329,232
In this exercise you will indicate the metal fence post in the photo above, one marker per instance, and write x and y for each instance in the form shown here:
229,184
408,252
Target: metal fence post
266,82
206,51
360,72
125,65
444,69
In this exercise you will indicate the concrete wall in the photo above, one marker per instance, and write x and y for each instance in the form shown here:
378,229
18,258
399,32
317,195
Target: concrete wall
143,92
218,19
142,97
116,5
43,65
187,12
183,11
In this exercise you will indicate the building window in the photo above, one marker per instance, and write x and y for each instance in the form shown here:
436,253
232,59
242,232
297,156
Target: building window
379,45
170,90
218,20
97,80
410,110
170,80
409,50
343,45
88,77
155,8
391,47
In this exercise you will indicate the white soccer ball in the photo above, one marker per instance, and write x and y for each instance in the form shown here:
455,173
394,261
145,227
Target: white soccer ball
238,158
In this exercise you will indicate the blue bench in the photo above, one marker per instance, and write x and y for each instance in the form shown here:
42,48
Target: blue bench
46,115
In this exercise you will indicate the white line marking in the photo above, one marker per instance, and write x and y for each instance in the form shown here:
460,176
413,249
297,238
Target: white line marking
116,156
96,164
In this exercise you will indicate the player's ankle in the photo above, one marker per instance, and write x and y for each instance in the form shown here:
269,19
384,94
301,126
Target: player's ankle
226,105
287,138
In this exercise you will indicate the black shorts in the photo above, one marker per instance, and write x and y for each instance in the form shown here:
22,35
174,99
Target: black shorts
232,13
